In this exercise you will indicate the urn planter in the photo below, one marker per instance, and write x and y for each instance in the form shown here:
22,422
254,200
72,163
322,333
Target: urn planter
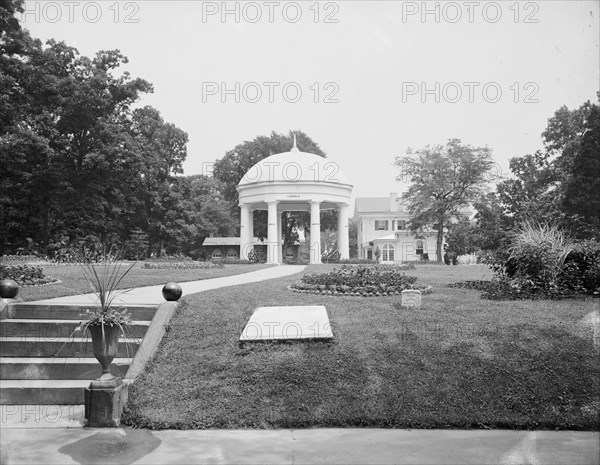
105,345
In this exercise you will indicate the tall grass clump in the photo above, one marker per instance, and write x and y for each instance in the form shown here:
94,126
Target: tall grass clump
540,260
537,252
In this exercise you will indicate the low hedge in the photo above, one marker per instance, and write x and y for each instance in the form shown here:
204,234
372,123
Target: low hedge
19,258
177,258
185,265
236,261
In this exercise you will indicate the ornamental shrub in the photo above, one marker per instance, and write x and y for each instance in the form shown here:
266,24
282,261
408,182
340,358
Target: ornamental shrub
25,275
541,261
581,268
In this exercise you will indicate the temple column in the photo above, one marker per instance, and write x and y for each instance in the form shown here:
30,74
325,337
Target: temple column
315,232
272,242
279,238
343,233
244,232
251,229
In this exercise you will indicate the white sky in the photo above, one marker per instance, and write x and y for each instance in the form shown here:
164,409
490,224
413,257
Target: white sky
373,52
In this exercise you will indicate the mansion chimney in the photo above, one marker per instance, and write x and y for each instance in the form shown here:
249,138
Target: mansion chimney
393,201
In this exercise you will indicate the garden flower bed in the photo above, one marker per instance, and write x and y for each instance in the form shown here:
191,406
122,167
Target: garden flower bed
185,265
359,281
26,275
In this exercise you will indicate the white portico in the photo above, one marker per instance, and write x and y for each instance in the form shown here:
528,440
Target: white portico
293,181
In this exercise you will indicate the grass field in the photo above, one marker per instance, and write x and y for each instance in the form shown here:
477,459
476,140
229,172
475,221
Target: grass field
458,362
74,282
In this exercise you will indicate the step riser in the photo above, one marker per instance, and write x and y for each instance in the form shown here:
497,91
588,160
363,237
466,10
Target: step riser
58,349
56,312
34,371
41,396
49,330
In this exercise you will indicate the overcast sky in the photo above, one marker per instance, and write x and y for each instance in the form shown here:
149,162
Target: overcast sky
369,73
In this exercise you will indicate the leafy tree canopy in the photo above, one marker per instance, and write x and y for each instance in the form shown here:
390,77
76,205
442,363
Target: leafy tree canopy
442,180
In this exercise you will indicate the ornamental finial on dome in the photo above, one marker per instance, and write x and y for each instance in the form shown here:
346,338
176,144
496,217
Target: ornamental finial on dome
294,148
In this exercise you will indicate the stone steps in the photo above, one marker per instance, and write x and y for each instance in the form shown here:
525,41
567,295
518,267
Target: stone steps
43,391
45,359
52,329
59,347
71,312
31,368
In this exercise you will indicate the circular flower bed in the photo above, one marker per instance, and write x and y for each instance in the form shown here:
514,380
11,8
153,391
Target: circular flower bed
359,281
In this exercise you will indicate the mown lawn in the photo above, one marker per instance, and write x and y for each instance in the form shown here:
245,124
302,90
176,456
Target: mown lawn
458,362
74,282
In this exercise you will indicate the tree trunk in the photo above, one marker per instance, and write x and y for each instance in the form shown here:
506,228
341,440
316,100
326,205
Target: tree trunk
440,240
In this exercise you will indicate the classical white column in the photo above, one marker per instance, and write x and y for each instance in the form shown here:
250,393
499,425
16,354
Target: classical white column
315,232
272,242
251,229
279,239
343,232
251,224
244,232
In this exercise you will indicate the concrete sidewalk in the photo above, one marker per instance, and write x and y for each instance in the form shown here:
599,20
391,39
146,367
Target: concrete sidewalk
322,446
151,295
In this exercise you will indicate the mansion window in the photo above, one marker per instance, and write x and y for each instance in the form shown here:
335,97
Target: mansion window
419,247
217,253
400,225
381,225
387,254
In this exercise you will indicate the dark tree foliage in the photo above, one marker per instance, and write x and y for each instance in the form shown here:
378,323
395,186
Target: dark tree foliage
79,166
442,180
560,184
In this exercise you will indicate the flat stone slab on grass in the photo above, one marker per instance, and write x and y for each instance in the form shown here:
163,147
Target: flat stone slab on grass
287,323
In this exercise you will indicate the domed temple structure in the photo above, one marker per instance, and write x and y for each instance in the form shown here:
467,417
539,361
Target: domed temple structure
293,181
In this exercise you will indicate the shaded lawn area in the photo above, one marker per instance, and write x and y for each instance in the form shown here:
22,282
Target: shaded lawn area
74,282
458,362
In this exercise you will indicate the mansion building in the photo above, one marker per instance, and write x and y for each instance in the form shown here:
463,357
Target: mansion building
382,225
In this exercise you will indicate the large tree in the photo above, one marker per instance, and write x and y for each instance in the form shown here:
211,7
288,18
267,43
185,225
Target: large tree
76,160
443,178
561,183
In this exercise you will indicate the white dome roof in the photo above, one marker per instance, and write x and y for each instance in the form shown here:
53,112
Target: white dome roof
294,167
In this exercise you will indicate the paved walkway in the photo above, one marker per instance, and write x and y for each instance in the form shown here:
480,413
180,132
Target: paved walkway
318,446
151,295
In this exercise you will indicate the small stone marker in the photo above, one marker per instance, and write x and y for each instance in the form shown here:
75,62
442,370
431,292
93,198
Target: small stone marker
287,323
411,298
